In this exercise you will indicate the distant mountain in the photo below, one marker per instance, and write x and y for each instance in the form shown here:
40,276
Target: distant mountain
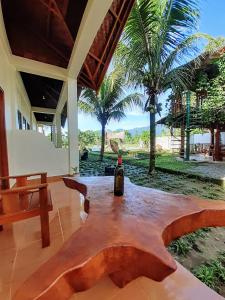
139,130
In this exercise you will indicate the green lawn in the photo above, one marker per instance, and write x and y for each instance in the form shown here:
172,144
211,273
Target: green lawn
164,160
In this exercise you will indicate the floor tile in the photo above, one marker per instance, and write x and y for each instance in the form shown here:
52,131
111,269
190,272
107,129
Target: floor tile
35,253
7,260
5,292
12,235
32,230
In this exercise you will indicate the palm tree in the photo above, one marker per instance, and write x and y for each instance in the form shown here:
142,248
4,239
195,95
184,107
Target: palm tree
110,103
156,40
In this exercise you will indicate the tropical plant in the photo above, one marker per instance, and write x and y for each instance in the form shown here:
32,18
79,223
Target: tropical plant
88,138
156,44
110,103
213,108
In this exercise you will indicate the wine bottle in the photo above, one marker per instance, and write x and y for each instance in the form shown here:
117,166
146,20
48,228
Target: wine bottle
119,178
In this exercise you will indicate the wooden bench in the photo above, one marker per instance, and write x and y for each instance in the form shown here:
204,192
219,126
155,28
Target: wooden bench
26,200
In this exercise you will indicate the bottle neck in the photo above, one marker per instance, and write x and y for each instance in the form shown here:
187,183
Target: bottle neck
119,161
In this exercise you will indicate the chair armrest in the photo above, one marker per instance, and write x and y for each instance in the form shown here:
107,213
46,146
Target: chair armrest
22,189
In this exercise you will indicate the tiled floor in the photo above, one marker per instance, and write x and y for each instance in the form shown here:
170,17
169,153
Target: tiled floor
21,254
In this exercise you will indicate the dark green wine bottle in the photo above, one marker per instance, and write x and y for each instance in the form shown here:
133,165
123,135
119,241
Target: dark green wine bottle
119,178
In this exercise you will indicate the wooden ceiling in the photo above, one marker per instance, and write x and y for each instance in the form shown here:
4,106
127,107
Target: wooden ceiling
45,30
105,42
42,118
42,91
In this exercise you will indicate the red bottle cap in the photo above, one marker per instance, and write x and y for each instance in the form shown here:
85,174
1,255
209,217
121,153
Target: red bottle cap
120,161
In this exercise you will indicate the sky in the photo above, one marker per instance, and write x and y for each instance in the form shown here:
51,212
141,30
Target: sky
212,22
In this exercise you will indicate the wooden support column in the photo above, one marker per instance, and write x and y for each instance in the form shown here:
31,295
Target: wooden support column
217,156
4,169
72,116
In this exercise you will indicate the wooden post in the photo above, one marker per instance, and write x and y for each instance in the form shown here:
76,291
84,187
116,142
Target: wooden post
23,198
4,170
44,217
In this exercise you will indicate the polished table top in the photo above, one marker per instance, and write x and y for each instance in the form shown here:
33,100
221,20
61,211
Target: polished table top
124,237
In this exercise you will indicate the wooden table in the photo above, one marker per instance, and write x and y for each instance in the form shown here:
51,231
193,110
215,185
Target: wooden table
124,237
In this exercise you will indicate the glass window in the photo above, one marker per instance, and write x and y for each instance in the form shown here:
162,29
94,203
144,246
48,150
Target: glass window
24,124
19,117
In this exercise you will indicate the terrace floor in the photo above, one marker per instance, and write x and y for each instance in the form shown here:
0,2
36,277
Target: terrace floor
21,254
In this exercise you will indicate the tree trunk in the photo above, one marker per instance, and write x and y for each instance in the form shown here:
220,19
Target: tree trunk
152,136
102,142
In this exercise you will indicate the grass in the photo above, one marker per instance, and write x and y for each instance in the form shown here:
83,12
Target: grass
141,158
212,273
183,245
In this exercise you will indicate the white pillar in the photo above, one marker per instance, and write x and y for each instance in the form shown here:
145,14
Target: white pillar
31,120
58,130
53,134
72,117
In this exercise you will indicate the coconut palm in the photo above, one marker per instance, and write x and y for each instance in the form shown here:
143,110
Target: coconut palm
156,40
110,103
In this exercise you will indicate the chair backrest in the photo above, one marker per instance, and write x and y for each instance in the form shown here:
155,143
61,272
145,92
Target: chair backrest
18,197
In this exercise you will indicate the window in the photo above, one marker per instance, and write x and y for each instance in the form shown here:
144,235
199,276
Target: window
24,124
19,117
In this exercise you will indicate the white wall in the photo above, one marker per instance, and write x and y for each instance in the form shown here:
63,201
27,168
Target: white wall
164,142
204,138
28,151
33,152
222,134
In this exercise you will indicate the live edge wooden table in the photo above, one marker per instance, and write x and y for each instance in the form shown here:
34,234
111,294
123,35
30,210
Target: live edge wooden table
123,237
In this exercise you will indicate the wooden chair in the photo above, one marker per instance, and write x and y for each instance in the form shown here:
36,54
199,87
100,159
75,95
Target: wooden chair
26,200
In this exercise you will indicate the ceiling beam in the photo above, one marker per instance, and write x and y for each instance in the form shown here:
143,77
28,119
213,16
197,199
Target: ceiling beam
44,123
110,37
88,29
43,110
53,7
38,68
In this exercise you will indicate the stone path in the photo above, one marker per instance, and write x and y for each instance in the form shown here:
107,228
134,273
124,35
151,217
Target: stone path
212,170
